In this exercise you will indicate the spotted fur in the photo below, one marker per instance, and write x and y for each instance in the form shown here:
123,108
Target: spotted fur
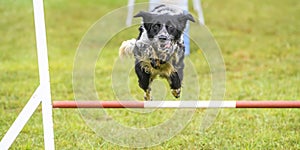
159,48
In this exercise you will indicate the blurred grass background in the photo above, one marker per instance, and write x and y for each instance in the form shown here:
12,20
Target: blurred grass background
260,45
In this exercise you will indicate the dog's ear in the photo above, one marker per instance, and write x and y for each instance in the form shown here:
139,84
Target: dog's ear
189,17
145,15
186,17
183,18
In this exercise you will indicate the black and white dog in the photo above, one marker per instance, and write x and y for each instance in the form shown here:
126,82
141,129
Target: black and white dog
159,48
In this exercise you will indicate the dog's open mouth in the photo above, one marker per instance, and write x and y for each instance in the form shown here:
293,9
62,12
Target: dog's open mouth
165,45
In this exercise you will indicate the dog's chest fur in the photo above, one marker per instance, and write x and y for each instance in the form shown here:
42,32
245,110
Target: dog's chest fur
165,70
147,50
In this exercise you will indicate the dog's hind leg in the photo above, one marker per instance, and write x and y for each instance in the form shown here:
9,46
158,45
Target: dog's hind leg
144,79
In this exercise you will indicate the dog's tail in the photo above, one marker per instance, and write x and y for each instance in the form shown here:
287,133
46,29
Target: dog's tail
126,48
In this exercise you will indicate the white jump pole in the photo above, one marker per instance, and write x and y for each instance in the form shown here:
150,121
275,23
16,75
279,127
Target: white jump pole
21,120
130,12
198,7
40,29
42,94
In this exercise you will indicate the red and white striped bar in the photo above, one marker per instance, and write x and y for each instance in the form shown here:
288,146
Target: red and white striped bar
176,104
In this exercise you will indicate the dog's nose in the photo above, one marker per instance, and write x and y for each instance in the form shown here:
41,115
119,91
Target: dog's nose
162,37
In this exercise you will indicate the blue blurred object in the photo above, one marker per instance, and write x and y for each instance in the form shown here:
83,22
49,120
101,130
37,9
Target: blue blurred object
186,39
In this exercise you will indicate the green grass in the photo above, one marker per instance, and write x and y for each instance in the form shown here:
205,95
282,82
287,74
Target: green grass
259,42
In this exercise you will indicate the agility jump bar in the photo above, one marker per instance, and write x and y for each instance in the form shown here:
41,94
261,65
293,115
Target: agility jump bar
176,104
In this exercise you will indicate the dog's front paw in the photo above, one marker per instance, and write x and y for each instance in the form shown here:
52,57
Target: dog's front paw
176,92
147,96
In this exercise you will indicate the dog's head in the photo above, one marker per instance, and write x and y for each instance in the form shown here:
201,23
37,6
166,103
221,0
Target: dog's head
164,25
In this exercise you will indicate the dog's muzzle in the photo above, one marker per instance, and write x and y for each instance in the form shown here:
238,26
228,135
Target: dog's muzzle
164,43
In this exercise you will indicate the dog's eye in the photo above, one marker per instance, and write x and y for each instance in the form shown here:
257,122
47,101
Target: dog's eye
170,28
156,27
